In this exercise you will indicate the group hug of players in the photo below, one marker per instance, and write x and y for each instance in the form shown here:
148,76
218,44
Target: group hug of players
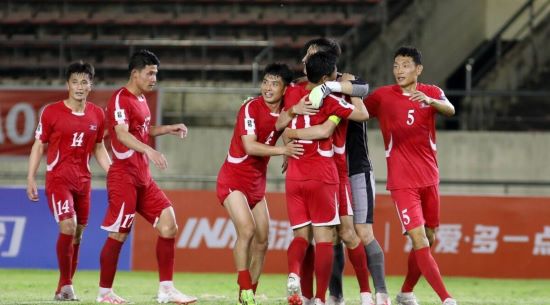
329,180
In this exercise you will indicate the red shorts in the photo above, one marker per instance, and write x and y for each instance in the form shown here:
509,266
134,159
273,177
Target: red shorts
345,207
312,202
253,188
125,199
417,207
65,201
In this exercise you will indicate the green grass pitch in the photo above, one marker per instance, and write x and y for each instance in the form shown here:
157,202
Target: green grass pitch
37,287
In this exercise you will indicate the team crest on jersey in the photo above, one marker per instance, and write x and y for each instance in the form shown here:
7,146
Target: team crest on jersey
120,115
93,127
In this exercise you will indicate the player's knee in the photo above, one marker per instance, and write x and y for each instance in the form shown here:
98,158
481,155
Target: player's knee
261,244
68,227
347,235
168,231
247,231
430,234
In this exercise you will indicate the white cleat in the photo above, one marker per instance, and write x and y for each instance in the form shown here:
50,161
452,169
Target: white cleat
172,295
66,293
449,301
306,301
382,299
366,298
332,300
406,298
293,290
110,298
319,302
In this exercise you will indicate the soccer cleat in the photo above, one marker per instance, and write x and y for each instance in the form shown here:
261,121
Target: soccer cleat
111,298
366,298
293,290
382,299
171,295
247,297
306,301
449,301
332,300
406,298
318,302
66,293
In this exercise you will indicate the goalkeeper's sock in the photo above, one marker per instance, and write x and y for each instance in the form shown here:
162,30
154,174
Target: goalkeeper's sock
413,274
306,276
64,250
375,261
296,253
108,262
324,253
244,280
429,269
358,259
165,258
74,263
335,284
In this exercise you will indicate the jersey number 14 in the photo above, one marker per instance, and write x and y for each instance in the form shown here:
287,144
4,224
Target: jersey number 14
78,138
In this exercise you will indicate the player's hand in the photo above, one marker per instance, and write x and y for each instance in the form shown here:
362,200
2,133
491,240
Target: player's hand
304,107
347,77
178,130
284,166
158,159
32,190
421,97
294,150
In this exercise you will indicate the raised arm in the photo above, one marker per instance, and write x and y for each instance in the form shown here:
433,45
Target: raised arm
360,113
442,106
285,116
34,162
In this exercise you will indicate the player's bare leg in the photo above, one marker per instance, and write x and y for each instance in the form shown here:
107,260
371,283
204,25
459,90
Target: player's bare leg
426,262
167,229
65,252
357,256
259,242
375,262
245,226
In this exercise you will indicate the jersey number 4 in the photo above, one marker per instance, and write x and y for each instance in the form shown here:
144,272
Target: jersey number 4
78,138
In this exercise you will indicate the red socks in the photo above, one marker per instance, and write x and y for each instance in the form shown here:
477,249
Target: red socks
165,258
296,253
358,259
108,262
306,276
413,274
64,250
244,280
76,249
324,253
429,269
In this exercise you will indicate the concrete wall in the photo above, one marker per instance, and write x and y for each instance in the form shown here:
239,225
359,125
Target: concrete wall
462,156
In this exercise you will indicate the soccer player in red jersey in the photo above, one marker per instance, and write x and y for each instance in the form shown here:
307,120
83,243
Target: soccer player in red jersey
312,181
406,112
242,177
129,184
73,129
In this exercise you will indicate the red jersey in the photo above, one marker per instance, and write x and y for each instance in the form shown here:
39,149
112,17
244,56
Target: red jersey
408,128
254,118
126,108
317,162
71,137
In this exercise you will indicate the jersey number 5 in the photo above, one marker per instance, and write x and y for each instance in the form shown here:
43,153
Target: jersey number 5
406,219
410,117
77,139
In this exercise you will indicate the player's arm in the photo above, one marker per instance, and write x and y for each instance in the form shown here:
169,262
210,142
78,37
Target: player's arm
102,156
359,113
442,106
254,148
316,132
175,129
126,138
285,116
37,151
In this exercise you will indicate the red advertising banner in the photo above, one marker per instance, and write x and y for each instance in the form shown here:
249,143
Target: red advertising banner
479,236
20,110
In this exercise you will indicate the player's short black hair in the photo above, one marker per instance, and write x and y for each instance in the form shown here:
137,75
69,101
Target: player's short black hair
319,65
281,70
141,59
409,51
80,67
323,45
